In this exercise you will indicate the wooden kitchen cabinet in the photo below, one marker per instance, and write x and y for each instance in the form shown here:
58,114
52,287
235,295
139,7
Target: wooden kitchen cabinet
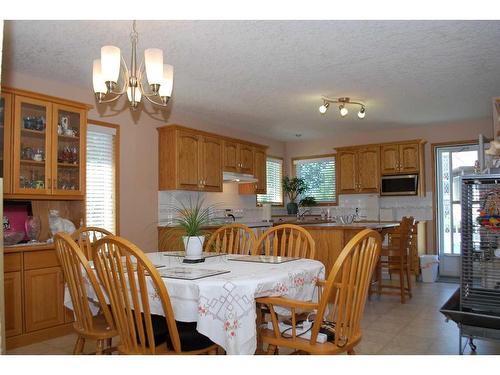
211,161
34,295
260,173
194,160
6,141
188,160
231,156
13,303
41,162
43,298
347,161
238,158
359,170
400,158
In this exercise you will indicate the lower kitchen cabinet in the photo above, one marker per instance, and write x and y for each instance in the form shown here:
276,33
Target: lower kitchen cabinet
13,287
44,298
34,297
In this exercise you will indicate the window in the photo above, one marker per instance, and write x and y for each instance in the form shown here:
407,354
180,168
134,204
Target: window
102,175
319,173
274,170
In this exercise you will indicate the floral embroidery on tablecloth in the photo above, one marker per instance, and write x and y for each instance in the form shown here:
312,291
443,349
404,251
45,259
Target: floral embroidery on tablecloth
230,326
280,288
202,309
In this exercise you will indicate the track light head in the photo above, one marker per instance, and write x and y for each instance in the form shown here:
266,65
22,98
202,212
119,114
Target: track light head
362,113
323,108
343,110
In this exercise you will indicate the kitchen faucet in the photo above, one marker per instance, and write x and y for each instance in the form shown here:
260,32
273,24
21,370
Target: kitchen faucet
301,216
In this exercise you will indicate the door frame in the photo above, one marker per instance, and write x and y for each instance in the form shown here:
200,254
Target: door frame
434,146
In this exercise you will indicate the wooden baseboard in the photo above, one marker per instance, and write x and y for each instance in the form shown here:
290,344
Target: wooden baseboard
42,335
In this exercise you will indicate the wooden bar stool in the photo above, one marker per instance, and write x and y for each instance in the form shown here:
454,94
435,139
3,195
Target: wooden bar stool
396,260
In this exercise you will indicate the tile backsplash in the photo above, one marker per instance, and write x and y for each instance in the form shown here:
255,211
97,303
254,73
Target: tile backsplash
371,206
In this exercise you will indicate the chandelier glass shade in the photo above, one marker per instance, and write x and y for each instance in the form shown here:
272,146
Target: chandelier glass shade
152,79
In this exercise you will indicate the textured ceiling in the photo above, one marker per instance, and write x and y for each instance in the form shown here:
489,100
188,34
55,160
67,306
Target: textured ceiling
267,77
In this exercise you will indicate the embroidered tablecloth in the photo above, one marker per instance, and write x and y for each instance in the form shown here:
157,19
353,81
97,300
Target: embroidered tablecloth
224,305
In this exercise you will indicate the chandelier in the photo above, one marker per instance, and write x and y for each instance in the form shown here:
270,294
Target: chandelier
152,79
343,103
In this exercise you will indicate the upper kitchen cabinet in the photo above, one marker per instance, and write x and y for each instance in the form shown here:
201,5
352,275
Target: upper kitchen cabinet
398,158
194,160
45,158
211,163
238,157
6,140
189,160
259,172
359,170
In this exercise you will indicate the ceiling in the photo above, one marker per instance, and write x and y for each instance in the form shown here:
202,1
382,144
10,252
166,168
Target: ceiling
267,77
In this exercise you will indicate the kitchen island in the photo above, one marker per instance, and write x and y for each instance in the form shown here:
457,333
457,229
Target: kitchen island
330,238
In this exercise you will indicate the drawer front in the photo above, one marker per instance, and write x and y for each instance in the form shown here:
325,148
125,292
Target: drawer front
12,262
40,259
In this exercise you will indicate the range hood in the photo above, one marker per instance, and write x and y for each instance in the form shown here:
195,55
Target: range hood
238,178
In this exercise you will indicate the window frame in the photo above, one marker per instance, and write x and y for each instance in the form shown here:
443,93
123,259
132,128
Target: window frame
322,156
117,171
282,204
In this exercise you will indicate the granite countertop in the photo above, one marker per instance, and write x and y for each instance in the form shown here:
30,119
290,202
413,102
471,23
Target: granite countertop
356,225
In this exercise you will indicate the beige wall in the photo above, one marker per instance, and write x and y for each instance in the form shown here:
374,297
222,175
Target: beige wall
138,154
432,133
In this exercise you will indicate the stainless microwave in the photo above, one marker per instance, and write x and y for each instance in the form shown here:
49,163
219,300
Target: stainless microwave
400,185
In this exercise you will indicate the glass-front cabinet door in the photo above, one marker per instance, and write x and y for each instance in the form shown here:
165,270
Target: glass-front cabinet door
68,148
32,146
5,140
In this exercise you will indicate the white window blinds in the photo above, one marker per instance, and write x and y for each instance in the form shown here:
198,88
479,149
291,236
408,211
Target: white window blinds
274,169
101,177
319,175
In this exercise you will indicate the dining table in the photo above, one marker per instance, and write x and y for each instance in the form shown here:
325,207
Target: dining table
223,305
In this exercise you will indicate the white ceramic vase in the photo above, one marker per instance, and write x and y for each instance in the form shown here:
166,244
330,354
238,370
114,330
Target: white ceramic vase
193,246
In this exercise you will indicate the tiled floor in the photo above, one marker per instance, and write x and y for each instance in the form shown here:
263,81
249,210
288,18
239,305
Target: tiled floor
389,327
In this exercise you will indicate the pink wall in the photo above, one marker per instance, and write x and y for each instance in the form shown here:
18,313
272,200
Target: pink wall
138,154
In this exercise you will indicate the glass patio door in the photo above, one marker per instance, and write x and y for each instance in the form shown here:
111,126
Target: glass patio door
451,163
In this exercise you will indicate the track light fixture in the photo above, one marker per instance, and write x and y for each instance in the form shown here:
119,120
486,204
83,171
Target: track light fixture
343,103
324,107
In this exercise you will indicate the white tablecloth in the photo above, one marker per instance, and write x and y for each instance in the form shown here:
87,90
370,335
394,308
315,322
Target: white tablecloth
224,305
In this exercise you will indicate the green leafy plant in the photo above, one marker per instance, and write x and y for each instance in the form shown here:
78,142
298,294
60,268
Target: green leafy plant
308,202
293,187
192,215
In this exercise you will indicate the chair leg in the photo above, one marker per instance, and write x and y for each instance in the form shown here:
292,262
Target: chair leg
379,277
100,347
79,345
271,349
408,280
351,352
402,285
259,322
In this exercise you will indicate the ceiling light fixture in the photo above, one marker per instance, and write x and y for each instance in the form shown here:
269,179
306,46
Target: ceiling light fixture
343,110
343,103
362,112
323,108
111,66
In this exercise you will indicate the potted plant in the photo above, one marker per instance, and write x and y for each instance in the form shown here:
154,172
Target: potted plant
191,217
293,187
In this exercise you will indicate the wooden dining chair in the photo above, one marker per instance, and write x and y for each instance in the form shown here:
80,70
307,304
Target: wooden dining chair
286,240
77,271
131,281
347,285
232,239
397,260
86,236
